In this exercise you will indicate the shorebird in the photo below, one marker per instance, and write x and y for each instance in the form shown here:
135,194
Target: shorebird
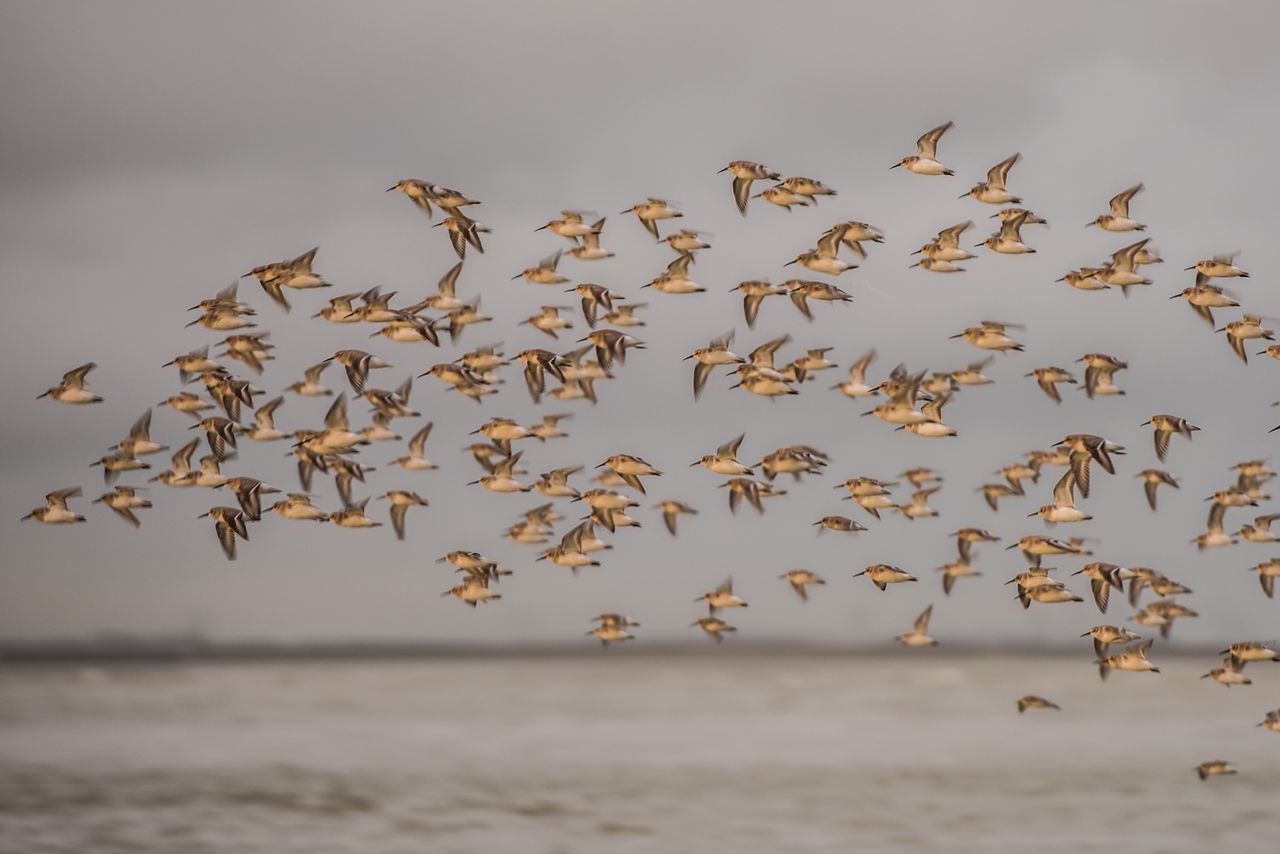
1105,636
1122,271
1271,721
919,634
401,500
1008,240
946,246
1214,768
745,172
630,468
1151,481
1035,547
882,575
842,524
612,628
810,188
1063,506
588,249
1219,267
1099,373
722,597
752,491
353,516
990,335
676,279
800,291
953,571
228,524
686,240
1102,577
1086,448
918,507
1048,379
783,197
1133,659
800,580
297,505
571,225
1248,328
55,510
295,273
671,511
924,161
824,257
1268,572
650,211
71,389
1165,426
544,272
1031,701
1244,652
992,191
1228,674
1117,216
714,626
472,592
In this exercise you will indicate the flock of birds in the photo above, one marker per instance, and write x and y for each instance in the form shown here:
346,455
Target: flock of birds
909,401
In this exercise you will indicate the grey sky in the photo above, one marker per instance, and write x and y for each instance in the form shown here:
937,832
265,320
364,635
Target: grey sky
152,153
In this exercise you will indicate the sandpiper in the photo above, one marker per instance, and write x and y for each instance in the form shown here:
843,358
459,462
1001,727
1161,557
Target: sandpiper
1214,768
800,579
1219,267
882,575
1133,659
71,389
722,597
229,523
55,511
1008,240
544,272
650,211
295,273
1105,636
714,626
671,511
1117,216
744,173
919,634
753,293
1031,701
1048,379
992,191
924,161
1151,481
1165,426
401,500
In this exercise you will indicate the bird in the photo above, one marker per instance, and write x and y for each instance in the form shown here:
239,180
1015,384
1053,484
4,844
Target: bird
1164,427
1031,701
882,575
1133,659
1049,378
229,523
294,273
722,597
745,173
992,191
651,211
800,580
401,500
1214,768
714,627
671,511
924,161
72,388
1117,216
55,510
919,634
1152,479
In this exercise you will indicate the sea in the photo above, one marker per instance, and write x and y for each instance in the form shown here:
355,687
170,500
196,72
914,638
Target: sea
619,751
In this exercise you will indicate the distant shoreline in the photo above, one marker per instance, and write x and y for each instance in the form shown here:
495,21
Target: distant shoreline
185,651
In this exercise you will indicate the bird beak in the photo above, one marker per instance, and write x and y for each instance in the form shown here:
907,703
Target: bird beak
390,189
895,166
721,172
1185,269
965,195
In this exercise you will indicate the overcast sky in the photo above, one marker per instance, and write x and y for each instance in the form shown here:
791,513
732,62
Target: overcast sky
152,153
